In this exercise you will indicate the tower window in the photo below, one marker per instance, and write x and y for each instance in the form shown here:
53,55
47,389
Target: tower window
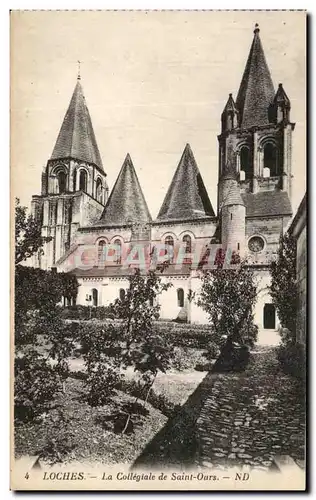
118,250
245,162
99,190
83,181
122,294
75,180
62,182
180,297
270,159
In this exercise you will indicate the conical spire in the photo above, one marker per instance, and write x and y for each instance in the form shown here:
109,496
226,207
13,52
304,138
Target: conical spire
126,204
187,197
230,115
76,138
281,97
230,105
256,92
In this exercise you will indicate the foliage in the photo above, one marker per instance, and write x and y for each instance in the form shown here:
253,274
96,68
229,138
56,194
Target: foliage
80,312
36,294
145,349
228,296
292,359
284,289
60,437
132,342
36,383
28,234
101,351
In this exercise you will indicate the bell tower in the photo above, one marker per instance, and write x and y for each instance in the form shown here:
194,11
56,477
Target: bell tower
256,134
74,188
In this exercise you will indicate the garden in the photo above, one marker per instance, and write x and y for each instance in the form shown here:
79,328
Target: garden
99,385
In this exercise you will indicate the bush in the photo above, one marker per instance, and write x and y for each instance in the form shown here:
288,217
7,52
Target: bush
80,312
292,359
35,385
101,383
195,336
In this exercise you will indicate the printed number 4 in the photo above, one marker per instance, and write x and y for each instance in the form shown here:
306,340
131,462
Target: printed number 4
27,475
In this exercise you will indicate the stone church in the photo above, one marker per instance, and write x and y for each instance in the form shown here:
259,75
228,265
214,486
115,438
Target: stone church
253,207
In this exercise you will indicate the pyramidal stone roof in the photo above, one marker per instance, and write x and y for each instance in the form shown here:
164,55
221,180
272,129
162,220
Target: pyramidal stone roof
256,92
76,137
126,204
187,198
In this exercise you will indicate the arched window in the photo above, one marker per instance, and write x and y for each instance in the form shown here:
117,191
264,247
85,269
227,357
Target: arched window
118,251
180,297
62,182
101,248
74,182
169,243
188,243
122,294
188,248
245,162
94,297
99,190
83,180
270,159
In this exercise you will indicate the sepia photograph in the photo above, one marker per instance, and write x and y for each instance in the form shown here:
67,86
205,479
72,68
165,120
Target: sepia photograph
159,250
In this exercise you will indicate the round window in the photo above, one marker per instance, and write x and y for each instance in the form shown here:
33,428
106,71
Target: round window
256,244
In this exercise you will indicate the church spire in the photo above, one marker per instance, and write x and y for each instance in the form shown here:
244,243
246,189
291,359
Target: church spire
126,204
76,138
256,92
187,197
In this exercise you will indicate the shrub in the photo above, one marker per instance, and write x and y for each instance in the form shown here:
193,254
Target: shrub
80,312
36,383
60,437
284,288
228,296
292,359
101,383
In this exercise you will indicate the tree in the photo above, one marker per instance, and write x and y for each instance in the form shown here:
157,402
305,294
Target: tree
40,334
28,234
134,342
284,289
228,296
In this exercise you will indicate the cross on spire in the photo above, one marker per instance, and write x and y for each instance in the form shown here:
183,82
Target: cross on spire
79,76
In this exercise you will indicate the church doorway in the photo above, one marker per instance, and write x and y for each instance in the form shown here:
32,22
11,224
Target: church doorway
94,297
269,317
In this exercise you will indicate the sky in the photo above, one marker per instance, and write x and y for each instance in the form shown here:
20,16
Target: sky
153,81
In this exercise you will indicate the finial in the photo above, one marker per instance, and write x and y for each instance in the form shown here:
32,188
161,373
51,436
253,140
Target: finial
256,30
230,95
79,77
